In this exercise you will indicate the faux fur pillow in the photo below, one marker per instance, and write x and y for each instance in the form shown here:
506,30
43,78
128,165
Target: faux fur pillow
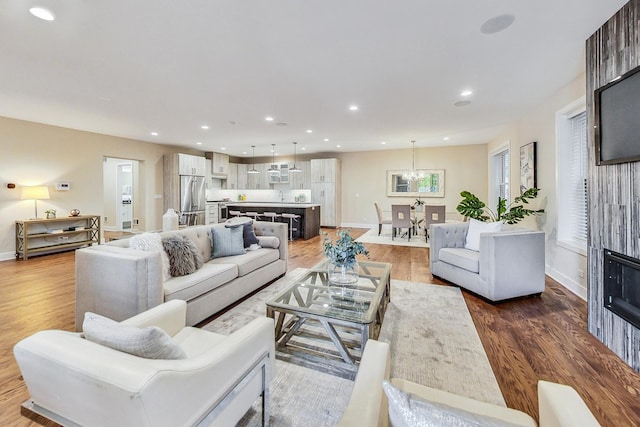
152,242
183,255
150,343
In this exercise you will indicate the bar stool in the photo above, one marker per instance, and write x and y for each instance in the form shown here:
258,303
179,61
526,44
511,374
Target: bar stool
253,215
235,213
270,216
291,217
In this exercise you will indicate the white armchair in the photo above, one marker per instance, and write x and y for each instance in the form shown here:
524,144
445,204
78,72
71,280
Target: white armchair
74,381
509,264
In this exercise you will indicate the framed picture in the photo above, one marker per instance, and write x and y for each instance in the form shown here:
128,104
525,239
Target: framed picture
431,184
528,166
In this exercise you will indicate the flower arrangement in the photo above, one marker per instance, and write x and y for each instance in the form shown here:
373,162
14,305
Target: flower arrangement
50,211
344,251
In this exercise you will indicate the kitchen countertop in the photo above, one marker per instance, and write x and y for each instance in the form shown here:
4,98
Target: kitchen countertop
300,205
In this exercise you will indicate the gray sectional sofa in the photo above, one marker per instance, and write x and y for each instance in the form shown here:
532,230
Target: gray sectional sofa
119,282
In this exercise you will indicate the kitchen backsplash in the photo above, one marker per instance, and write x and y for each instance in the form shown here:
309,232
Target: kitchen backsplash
289,196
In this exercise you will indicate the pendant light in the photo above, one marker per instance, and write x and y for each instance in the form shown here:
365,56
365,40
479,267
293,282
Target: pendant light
295,168
273,170
253,161
413,174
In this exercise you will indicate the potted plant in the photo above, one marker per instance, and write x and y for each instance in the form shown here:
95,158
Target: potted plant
51,213
472,207
342,257
418,205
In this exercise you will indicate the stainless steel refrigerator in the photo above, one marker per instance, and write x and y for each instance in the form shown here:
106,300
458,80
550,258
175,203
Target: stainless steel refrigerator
192,199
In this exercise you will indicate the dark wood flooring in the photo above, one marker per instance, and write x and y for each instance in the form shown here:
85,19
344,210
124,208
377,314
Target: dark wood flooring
526,340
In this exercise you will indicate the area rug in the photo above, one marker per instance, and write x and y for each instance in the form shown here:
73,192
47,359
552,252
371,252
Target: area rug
371,236
433,342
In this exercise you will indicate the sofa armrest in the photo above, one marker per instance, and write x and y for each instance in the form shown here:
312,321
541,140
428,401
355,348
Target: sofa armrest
277,229
561,405
446,235
368,405
117,282
171,316
512,260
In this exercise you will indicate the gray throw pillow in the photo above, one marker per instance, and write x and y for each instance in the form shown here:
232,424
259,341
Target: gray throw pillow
227,241
151,342
406,410
248,234
184,257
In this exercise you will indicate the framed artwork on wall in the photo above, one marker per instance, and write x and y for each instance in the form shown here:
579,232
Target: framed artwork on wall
528,166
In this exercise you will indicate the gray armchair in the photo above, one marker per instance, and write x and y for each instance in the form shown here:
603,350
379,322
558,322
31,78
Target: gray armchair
509,264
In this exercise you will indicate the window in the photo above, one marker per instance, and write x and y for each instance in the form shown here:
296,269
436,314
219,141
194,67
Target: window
499,176
572,176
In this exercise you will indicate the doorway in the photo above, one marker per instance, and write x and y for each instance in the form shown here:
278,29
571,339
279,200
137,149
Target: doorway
121,188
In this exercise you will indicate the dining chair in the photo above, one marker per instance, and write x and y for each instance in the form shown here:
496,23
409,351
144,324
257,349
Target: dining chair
401,218
433,214
381,219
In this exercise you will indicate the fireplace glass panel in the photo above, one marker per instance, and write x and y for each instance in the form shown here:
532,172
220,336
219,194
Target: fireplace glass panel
622,286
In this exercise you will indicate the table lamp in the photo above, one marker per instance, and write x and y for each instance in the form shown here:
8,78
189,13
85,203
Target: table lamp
35,193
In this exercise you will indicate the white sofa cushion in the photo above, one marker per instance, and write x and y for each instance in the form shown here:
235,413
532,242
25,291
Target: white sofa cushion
191,286
463,258
151,342
152,242
476,227
250,261
407,410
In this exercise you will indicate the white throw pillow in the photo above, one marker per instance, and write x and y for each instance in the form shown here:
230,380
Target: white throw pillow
151,342
475,229
152,242
406,410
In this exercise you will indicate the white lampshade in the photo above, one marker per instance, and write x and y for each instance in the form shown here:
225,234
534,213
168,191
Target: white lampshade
35,193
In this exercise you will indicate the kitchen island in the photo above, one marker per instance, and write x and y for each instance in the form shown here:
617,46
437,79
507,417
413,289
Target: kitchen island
308,224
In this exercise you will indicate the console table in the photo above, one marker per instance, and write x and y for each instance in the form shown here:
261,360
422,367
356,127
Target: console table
54,235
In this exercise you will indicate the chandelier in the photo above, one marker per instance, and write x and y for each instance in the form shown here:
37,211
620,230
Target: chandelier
413,174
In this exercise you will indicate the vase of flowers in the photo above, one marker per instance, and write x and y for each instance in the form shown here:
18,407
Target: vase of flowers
343,266
51,213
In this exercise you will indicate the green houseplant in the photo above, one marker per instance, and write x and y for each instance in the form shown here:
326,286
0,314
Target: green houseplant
472,207
342,257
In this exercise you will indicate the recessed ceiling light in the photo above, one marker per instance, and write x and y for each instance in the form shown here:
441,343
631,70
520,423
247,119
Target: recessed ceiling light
326,140
223,148
466,93
338,146
269,118
497,24
384,143
462,103
198,143
303,148
353,108
154,133
42,13
446,138
205,127
309,131
244,152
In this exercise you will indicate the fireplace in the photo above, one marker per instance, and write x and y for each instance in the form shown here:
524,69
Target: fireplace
622,286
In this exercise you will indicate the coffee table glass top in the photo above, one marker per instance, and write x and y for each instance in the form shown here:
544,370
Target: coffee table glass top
314,295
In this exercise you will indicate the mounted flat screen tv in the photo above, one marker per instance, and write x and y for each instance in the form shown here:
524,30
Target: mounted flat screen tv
617,120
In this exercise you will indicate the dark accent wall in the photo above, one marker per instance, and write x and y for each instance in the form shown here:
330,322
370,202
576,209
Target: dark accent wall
614,190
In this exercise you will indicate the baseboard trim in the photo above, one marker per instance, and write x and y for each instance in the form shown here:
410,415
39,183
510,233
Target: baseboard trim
356,225
7,256
567,282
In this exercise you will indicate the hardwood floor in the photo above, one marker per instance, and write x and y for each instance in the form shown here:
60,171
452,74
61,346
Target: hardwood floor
525,340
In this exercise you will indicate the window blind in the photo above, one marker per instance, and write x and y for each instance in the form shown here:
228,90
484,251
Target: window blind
577,203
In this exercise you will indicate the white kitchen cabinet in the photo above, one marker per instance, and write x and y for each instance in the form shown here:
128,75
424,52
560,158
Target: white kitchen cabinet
219,165
300,180
243,177
232,177
189,164
326,189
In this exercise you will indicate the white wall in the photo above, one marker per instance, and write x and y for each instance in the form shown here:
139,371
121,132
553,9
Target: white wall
539,125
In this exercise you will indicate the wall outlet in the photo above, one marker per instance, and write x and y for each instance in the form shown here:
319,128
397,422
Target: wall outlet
136,221
581,274
106,219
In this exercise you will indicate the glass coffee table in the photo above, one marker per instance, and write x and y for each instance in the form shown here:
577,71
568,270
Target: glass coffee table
315,319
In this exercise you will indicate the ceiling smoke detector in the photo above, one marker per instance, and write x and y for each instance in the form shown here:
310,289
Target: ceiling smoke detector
462,103
497,24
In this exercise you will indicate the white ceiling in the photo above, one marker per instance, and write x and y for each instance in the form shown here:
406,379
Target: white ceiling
128,68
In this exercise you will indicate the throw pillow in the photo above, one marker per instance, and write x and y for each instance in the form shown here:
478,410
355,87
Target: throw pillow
151,342
184,257
248,234
475,229
406,410
152,242
227,241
